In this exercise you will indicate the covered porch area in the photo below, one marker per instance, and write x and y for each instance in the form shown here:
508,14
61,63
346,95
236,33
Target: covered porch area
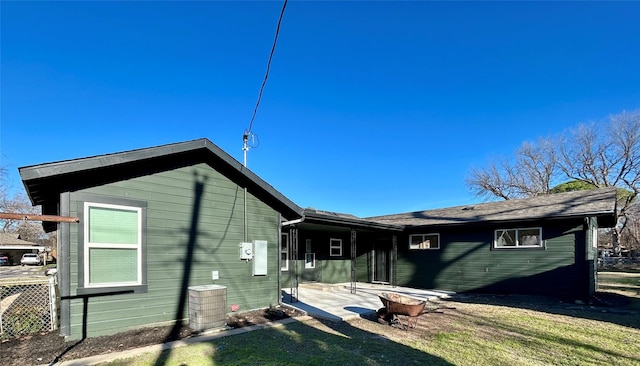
332,248
337,302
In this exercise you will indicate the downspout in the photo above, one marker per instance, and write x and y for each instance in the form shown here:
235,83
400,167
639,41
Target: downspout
244,210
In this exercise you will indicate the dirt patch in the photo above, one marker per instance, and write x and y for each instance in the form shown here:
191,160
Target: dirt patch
478,310
47,348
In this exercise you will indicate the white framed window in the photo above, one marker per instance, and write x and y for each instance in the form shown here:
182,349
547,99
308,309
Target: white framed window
518,238
284,252
424,241
112,253
310,260
335,247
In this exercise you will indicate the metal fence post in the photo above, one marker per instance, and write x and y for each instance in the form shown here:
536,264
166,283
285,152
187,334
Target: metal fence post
53,302
1,311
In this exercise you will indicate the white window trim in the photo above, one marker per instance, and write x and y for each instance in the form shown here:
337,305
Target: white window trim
333,246
413,247
88,246
518,246
284,266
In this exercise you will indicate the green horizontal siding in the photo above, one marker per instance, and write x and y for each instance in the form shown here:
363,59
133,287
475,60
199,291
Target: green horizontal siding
335,271
220,229
466,262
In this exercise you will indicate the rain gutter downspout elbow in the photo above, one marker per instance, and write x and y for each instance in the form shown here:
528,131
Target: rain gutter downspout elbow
292,222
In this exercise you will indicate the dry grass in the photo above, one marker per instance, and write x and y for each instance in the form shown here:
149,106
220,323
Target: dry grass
474,329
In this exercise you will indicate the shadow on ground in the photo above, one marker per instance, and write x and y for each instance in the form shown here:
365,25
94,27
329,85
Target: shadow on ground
605,306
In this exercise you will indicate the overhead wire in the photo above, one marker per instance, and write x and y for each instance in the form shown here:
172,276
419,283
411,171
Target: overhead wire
266,75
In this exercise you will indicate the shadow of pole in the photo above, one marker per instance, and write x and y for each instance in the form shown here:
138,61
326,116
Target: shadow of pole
85,312
174,334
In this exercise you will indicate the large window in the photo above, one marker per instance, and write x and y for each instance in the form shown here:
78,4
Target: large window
424,241
518,238
284,252
335,247
112,246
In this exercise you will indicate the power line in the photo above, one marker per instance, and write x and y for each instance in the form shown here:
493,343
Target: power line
266,75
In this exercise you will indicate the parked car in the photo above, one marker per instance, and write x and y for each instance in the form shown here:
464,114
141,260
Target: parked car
30,258
4,261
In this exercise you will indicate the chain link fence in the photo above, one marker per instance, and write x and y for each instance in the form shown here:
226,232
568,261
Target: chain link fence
27,306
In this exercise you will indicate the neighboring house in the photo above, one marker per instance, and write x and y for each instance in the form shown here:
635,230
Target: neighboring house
13,247
155,221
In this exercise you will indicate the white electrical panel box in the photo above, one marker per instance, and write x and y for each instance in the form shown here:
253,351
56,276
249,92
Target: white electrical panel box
246,251
260,257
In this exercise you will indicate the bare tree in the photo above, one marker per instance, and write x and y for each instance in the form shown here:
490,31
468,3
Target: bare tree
19,203
530,172
493,181
630,237
605,154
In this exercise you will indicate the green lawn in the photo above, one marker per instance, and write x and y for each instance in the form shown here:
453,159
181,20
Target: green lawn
470,334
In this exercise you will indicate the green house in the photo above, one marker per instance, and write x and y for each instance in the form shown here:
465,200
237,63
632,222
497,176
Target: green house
153,223
545,245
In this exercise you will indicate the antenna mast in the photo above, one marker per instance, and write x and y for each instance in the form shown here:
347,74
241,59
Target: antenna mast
245,148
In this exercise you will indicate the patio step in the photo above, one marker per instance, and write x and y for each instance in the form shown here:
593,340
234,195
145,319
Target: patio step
323,286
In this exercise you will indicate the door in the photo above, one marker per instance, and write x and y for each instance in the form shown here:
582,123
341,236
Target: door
381,261
309,271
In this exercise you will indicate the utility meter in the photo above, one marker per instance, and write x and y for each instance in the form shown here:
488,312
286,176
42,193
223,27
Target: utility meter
246,251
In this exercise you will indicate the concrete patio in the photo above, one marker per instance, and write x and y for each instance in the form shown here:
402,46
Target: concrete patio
335,302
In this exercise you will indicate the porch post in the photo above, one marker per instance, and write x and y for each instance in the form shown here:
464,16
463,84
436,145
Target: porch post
394,259
354,253
293,255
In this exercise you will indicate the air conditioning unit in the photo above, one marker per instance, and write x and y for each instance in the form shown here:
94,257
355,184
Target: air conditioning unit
207,307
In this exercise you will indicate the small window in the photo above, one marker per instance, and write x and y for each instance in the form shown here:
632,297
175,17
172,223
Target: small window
310,260
518,238
424,241
284,252
335,247
113,245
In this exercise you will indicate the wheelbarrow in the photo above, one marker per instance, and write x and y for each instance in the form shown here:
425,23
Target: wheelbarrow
397,305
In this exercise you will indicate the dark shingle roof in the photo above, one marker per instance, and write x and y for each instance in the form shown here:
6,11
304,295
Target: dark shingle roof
342,219
44,182
597,202
13,239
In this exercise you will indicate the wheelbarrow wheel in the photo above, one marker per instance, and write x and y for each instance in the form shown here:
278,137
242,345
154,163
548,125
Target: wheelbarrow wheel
384,317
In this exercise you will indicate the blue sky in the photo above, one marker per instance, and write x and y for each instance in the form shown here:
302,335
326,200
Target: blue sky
370,108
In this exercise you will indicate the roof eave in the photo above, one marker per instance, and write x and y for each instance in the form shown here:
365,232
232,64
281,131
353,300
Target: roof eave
343,221
599,214
32,175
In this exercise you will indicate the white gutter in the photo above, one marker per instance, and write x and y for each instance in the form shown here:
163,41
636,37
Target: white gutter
22,247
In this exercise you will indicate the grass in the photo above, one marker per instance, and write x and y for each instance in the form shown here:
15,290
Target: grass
470,334
312,343
619,278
